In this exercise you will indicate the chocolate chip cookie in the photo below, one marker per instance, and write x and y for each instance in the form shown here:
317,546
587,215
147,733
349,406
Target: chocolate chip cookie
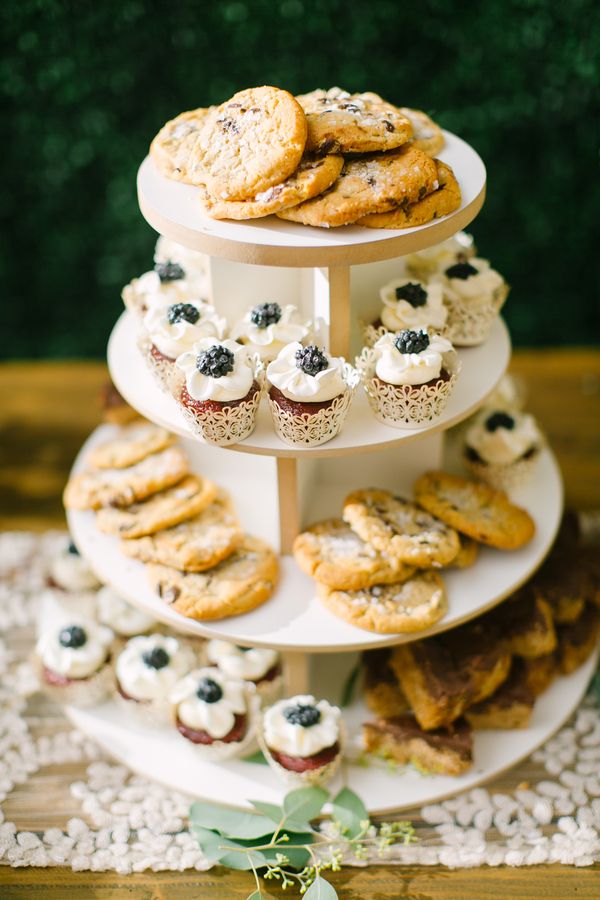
440,202
171,147
133,444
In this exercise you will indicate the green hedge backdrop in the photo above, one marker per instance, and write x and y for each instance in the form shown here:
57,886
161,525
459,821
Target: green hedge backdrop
86,85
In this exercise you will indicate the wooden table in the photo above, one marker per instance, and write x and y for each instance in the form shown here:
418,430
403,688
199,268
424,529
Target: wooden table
46,411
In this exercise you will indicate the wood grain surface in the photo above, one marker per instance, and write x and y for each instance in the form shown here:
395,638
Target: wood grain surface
46,411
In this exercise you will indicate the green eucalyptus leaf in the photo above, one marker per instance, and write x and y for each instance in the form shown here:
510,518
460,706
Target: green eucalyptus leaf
226,852
302,805
229,821
270,810
258,758
297,855
349,810
260,895
320,890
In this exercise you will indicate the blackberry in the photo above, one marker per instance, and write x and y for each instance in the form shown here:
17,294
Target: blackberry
169,271
216,361
499,420
72,549
413,292
74,636
412,341
208,690
265,314
302,715
461,270
185,312
311,360
157,658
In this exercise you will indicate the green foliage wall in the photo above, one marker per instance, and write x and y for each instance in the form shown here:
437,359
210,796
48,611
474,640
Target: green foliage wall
85,85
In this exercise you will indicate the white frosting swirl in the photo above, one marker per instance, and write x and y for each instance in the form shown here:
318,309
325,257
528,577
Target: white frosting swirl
440,256
141,681
173,339
296,740
478,289
267,342
71,572
503,446
75,662
197,264
409,368
215,718
249,665
232,386
119,615
148,290
399,314
295,384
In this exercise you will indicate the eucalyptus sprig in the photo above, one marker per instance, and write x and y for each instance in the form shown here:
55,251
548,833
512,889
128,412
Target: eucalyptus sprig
281,843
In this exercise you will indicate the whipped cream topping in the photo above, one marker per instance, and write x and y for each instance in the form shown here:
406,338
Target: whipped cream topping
191,261
503,446
174,338
144,682
437,258
409,368
119,615
75,662
71,572
295,384
477,289
232,386
267,342
297,740
235,662
148,290
217,718
398,314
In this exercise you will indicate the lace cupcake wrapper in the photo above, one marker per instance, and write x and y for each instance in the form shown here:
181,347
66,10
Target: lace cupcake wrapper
469,325
162,369
80,693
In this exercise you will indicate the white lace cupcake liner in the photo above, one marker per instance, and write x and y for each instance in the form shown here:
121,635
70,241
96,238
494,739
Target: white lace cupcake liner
150,713
504,478
407,406
82,692
312,777
162,369
226,426
220,750
270,692
470,324
313,429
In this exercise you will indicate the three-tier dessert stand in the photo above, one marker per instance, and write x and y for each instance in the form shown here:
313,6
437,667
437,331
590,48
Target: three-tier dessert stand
278,490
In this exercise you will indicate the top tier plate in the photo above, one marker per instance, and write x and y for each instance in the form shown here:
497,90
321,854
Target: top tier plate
173,209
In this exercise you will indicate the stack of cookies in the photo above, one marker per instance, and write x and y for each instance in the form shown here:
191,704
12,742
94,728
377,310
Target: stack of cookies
182,525
326,158
429,695
378,566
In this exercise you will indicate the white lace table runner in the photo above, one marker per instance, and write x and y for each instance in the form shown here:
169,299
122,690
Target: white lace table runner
129,824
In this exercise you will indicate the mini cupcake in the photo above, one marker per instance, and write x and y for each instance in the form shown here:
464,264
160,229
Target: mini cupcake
459,248
173,329
169,282
408,304
146,672
70,572
302,739
218,387
408,377
502,448
73,662
195,264
216,713
474,294
267,328
309,395
258,665
125,620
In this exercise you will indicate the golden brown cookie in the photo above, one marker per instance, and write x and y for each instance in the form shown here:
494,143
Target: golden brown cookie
369,184
399,528
427,136
442,201
249,143
444,751
467,555
167,508
339,122
336,556
171,147
475,509
133,444
195,545
401,608
122,487
311,178
237,585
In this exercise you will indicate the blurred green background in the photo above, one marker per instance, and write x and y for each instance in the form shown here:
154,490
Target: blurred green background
86,85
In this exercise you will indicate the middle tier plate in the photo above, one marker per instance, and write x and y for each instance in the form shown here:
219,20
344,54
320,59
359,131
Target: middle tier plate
482,369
